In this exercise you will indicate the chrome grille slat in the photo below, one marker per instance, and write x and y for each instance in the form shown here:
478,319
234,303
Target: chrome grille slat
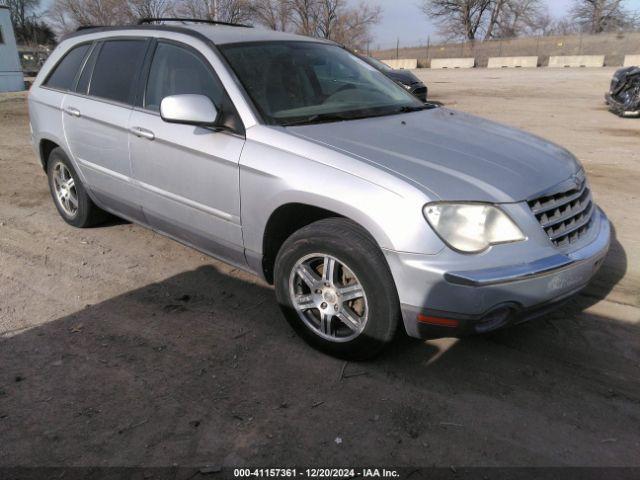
570,212
571,227
565,216
545,208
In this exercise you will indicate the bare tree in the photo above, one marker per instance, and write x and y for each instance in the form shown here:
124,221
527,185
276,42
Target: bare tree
327,17
232,11
304,15
21,11
497,11
67,15
335,20
151,8
353,26
273,14
521,17
458,18
332,19
28,27
597,16
350,26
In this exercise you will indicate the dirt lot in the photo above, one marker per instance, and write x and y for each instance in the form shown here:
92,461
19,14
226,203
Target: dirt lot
121,347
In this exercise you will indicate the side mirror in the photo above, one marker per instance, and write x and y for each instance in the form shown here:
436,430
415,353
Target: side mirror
189,109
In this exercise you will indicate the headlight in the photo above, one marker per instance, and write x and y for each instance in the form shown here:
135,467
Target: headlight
471,227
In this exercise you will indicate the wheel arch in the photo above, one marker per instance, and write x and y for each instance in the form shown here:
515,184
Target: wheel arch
290,217
46,145
45,149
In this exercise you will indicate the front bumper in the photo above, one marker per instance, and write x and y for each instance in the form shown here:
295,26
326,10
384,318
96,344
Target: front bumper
444,300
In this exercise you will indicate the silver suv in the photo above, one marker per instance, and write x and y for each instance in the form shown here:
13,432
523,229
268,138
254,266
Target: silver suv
294,159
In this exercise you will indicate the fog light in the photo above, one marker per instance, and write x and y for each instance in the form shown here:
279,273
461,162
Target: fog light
494,319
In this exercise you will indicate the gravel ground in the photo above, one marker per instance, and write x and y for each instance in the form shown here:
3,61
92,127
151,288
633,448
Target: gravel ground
121,347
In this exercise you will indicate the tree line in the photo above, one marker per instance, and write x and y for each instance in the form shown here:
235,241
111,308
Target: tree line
494,19
343,21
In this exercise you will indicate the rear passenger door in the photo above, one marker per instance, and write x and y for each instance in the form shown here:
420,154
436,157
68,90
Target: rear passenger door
188,175
96,118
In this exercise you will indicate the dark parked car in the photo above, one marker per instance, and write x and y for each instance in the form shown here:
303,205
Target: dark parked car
623,97
404,77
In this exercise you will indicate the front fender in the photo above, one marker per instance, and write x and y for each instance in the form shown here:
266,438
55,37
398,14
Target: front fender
272,176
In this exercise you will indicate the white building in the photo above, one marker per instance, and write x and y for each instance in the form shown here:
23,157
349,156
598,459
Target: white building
11,79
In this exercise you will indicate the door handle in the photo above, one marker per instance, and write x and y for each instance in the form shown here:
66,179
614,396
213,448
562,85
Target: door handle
72,111
143,132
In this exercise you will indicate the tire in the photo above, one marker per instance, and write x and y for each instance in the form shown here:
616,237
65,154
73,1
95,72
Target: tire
69,195
363,325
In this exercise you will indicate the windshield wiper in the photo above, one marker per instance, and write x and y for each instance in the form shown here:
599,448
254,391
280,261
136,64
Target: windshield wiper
319,118
338,117
416,108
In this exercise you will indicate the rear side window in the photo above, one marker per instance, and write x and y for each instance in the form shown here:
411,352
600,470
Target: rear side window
64,73
116,70
85,76
175,71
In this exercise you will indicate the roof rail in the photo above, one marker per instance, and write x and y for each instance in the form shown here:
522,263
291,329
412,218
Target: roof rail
87,27
143,21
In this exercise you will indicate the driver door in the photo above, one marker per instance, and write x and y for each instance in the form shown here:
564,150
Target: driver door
188,175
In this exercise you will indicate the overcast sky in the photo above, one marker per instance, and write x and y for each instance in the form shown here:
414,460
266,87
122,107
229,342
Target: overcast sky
403,19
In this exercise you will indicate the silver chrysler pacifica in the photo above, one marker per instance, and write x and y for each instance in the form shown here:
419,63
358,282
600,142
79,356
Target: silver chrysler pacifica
296,160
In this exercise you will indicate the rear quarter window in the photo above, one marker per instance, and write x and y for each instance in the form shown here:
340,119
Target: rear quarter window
116,70
64,73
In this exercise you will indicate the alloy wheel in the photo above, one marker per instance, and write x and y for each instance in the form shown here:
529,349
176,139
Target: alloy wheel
328,297
65,189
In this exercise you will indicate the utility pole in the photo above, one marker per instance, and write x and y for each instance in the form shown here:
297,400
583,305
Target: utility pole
398,48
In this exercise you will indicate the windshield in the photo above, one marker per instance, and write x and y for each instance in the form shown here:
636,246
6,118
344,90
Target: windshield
293,83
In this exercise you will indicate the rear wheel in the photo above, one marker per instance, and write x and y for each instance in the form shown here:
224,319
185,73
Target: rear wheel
335,288
69,195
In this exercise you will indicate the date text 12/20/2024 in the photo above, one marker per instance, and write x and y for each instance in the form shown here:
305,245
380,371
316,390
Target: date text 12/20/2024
315,473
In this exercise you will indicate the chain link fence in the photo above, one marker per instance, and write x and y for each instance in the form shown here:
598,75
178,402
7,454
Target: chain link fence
613,45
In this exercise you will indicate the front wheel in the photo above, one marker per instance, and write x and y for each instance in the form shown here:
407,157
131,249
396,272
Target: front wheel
335,289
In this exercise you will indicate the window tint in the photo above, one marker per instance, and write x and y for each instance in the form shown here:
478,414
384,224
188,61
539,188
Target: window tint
116,69
65,72
1,37
175,71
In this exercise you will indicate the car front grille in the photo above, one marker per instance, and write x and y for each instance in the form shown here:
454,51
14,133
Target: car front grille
565,216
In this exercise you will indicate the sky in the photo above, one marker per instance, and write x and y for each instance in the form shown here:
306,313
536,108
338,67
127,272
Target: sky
403,19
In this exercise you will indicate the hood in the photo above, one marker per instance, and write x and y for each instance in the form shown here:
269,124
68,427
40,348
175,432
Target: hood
450,155
403,76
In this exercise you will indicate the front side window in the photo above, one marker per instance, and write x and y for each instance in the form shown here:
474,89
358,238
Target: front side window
307,82
64,73
116,70
176,71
